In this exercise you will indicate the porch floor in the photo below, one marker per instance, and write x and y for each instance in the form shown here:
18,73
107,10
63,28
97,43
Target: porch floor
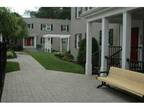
33,83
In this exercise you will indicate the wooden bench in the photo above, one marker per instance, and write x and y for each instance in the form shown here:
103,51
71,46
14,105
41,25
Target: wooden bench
126,80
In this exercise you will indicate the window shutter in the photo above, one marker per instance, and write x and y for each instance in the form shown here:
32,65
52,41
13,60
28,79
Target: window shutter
32,26
51,27
111,37
67,28
75,41
61,28
41,26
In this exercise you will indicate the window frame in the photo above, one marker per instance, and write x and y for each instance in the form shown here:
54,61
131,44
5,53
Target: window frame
46,27
65,28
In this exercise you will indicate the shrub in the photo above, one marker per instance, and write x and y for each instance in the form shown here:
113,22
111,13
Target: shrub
81,58
11,54
38,46
68,56
18,48
59,55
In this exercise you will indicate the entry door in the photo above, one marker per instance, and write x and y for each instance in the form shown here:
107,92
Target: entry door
134,44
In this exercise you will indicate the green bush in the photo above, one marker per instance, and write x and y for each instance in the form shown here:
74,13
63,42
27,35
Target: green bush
68,57
11,54
18,48
59,55
81,58
38,46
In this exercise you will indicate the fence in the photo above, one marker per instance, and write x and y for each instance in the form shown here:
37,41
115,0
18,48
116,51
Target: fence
2,65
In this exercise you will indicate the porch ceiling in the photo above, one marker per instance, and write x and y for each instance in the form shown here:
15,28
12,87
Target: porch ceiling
137,14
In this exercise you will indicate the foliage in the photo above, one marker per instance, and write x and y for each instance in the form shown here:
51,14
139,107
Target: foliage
52,12
12,25
17,48
68,57
38,46
12,66
65,56
51,62
59,55
82,53
11,54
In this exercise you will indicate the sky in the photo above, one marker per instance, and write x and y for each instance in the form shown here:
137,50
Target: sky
21,10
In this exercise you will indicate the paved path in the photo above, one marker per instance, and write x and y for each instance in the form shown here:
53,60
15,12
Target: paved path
35,84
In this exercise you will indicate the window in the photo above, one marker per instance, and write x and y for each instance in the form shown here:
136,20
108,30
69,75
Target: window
30,26
78,11
78,38
86,8
64,40
47,27
111,37
65,28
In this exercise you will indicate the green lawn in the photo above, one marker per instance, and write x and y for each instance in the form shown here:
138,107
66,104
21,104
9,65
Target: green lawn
51,62
12,66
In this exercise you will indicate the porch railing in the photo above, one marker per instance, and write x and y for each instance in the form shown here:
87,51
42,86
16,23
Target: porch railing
114,58
136,63
137,66
2,65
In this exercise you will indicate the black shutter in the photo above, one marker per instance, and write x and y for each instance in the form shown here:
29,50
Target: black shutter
32,26
51,27
111,37
41,26
61,28
67,28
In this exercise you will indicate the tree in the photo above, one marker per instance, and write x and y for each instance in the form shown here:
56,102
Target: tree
52,12
7,24
82,52
12,25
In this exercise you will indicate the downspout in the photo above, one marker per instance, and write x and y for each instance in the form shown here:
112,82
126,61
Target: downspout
143,49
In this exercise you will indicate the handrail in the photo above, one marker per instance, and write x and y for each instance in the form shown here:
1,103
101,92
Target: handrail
116,53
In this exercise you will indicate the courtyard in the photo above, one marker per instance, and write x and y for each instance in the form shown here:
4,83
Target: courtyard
33,83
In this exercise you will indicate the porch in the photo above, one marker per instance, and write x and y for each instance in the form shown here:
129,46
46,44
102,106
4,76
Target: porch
62,42
127,52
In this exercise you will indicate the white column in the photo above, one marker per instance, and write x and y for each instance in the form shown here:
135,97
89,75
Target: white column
68,42
126,39
23,42
88,65
45,44
60,44
35,38
50,48
104,47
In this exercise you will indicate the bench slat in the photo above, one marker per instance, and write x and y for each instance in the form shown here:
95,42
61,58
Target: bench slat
124,79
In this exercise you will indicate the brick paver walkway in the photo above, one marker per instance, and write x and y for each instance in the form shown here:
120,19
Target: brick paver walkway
35,84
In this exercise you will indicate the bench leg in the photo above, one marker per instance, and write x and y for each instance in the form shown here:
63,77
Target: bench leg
102,84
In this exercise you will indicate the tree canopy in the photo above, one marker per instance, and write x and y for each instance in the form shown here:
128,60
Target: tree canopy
12,24
52,12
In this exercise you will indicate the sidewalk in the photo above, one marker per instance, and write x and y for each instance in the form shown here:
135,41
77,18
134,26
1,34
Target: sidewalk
35,84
